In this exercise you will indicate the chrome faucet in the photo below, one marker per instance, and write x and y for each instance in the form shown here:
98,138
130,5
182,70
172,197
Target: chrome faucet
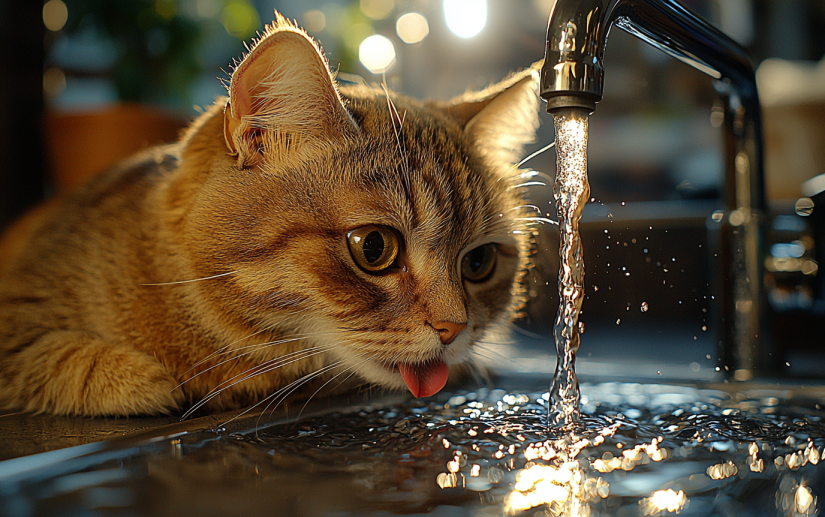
572,77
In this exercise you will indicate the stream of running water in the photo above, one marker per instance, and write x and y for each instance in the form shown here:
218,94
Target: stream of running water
571,192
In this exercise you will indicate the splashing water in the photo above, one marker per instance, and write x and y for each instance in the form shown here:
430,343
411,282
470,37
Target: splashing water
639,450
571,191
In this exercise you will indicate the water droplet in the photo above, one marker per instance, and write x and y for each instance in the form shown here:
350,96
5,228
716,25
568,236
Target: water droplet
717,215
495,474
581,327
804,206
618,321
622,203
595,288
645,307
658,372
707,356
705,329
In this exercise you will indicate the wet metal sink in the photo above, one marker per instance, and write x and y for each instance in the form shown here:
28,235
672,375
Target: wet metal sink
700,448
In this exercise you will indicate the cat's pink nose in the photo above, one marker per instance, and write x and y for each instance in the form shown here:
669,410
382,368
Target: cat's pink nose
447,330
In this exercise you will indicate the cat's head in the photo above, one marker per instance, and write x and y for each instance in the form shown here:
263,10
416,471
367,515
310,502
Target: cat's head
387,230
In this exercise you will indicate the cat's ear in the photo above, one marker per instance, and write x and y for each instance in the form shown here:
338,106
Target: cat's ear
282,97
503,117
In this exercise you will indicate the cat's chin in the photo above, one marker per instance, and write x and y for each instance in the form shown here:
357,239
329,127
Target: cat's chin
421,378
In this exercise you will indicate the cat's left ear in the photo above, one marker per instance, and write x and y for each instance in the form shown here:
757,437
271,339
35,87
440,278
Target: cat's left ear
503,117
283,97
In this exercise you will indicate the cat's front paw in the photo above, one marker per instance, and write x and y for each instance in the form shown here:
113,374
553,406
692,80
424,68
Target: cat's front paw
77,373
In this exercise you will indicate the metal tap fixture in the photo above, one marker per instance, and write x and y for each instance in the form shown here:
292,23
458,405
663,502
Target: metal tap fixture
572,77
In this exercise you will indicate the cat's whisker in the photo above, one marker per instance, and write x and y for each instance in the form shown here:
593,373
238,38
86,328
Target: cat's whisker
324,385
402,147
275,363
526,332
226,349
353,368
528,184
533,155
543,220
193,280
257,348
305,379
266,367
534,207
300,382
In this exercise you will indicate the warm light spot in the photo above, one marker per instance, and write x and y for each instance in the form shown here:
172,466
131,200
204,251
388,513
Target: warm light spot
558,486
813,454
55,14
412,28
239,18
465,18
377,54
54,82
377,9
475,470
666,500
314,21
803,499
445,480
722,470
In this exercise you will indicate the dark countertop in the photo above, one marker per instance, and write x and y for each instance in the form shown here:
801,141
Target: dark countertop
23,434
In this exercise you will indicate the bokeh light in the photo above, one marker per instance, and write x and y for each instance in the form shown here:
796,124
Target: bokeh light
55,14
54,82
240,18
377,9
314,21
412,28
377,54
208,8
465,18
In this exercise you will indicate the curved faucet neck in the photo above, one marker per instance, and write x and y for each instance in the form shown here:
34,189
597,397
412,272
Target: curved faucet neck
577,33
573,77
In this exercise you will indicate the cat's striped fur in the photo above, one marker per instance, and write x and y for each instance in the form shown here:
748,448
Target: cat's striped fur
98,315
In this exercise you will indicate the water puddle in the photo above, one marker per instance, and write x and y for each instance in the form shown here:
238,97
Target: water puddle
637,450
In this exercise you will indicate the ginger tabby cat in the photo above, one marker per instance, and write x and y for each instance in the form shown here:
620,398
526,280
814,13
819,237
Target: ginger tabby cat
298,234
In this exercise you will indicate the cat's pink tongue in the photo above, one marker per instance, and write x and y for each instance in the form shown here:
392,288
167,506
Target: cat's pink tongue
425,379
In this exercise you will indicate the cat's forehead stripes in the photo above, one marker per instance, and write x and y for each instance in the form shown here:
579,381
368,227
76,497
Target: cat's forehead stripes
451,197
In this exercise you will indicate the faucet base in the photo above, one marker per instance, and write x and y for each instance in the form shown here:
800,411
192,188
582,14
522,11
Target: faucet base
584,102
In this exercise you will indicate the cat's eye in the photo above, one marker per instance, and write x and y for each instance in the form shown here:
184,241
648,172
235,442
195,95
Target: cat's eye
374,248
478,264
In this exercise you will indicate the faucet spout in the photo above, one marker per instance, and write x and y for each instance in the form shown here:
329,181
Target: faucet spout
573,77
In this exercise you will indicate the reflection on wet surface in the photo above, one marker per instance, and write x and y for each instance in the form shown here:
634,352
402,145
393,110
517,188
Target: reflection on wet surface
639,449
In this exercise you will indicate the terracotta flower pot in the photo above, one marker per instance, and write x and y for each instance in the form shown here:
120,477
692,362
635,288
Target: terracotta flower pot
82,144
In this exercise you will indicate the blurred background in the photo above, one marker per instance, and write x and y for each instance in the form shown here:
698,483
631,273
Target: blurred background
85,83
